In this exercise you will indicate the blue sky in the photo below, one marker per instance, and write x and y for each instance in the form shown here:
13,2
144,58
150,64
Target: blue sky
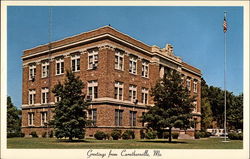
195,32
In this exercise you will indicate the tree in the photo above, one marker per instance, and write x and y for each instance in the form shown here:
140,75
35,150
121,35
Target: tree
13,120
207,114
70,115
173,105
235,113
216,99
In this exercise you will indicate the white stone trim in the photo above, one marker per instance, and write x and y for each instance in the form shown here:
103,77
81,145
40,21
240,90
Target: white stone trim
44,91
93,54
145,65
133,65
145,91
120,56
60,61
45,64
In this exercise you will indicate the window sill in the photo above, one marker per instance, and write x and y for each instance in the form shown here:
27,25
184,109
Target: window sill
145,77
59,74
89,69
76,71
133,73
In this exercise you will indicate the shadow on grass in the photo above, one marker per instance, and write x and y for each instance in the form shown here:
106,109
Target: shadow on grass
72,141
157,141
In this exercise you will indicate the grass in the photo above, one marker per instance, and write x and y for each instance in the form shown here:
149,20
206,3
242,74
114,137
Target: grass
44,143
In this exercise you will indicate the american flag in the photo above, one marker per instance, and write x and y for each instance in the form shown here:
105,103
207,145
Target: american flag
225,25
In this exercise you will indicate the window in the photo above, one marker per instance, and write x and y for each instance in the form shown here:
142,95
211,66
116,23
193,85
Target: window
188,84
57,99
144,95
92,115
45,69
132,118
75,63
195,86
144,72
44,95
93,58
43,118
93,89
195,106
119,60
132,93
132,65
119,90
59,66
118,117
32,96
32,72
31,119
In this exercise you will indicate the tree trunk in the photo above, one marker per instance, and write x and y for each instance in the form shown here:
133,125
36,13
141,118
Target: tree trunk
170,135
70,138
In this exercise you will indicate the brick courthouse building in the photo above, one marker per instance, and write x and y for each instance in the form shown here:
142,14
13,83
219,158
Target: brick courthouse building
118,72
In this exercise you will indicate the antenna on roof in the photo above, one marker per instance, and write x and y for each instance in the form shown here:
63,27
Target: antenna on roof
49,72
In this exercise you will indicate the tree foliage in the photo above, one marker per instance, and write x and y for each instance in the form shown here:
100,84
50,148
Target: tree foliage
173,105
13,120
70,115
212,107
207,114
235,113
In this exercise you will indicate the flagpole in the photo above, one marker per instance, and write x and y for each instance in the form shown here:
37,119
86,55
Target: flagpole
225,68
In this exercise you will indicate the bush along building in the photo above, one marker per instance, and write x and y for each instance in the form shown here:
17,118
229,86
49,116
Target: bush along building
118,72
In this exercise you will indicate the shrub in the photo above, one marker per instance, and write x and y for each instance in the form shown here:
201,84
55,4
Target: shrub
131,134
81,135
142,134
125,136
203,134
166,135
33,134
116,134
22,134
240,136
15,134
9,135
108,136
99,135
197,135
51,134
235,136
208,134
150,135
175,135
44,134
128,134
159,134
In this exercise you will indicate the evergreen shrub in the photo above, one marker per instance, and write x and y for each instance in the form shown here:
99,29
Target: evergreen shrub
99,135
175,135
116,134
33,134
150,135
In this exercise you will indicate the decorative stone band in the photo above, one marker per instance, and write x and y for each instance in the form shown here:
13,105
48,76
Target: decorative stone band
111,127
94,102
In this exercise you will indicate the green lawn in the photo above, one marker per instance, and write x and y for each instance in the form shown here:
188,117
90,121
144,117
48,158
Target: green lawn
206,143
